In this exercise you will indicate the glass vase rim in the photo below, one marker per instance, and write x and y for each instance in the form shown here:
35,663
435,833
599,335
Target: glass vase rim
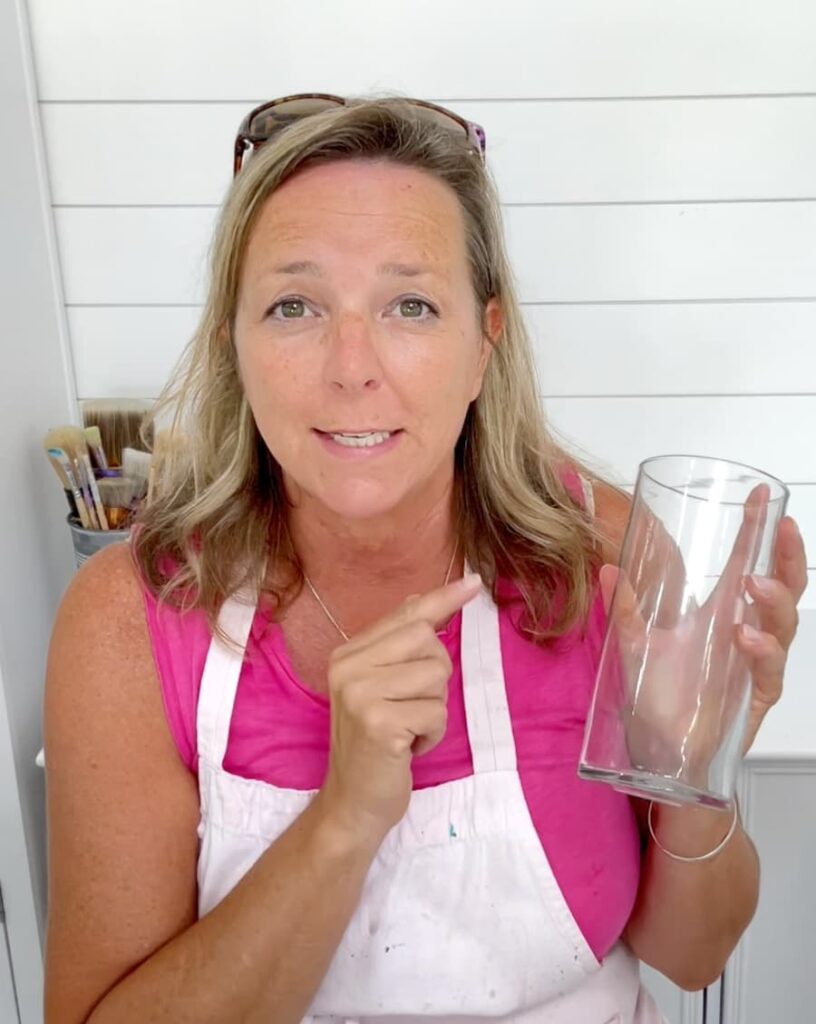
762,475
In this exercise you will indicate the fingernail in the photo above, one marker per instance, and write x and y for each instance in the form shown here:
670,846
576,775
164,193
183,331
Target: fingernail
470,580
752,636
763,585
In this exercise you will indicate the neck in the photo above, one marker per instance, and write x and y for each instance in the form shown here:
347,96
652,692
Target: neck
357,564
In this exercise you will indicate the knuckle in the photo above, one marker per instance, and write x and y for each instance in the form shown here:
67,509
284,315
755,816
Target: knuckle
334,685
337,657
440,676
437,715
352,696
336,678
421,630
446,663
395,746
373,718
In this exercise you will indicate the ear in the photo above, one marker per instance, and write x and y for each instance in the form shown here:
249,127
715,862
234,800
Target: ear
493,319
223,333
492,327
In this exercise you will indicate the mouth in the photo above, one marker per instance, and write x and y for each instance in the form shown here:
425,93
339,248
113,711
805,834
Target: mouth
358,444
359,433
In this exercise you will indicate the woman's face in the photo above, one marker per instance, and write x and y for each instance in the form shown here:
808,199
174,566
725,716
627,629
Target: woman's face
356,313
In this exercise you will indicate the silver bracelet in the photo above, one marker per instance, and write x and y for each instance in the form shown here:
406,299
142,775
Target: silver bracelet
705,856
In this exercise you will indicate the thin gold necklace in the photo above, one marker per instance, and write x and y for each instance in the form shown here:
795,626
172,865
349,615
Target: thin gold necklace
332,618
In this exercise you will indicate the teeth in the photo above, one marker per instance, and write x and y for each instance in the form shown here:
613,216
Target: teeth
361,440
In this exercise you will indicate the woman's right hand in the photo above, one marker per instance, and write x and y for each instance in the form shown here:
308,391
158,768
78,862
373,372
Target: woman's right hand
388,687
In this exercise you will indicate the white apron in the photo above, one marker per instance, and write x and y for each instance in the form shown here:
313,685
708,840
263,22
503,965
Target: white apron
460,918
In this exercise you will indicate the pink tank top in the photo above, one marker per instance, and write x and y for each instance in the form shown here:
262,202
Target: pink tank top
280,734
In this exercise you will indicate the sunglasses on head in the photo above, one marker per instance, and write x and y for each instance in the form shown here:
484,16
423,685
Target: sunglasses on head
269,118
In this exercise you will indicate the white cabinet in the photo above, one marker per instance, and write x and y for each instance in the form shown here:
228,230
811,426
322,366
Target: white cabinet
8,997
771,975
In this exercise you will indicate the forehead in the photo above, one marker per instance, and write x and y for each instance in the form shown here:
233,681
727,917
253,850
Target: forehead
361,206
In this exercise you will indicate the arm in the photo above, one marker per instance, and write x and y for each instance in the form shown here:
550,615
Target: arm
123,942
688,917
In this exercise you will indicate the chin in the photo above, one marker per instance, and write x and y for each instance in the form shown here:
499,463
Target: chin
349,498
351,504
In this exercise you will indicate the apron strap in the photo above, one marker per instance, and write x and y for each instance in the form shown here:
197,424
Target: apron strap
490,730
219,681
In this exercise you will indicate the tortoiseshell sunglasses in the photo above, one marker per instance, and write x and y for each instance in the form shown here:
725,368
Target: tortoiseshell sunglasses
264,121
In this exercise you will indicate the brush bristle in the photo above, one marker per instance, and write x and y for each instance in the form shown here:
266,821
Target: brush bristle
119,421
117,492
93,437
71,439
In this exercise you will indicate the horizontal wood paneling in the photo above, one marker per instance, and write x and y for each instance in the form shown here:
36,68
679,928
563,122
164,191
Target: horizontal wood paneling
560,254
134,255
671,348
95,49
580,350
127,350
575,254
619,432
539,152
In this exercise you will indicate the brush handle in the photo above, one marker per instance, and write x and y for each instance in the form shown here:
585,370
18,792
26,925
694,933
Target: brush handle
72,505
84,486
98,506
62,460
82,508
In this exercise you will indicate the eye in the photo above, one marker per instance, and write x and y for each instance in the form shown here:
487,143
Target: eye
291,308
411,308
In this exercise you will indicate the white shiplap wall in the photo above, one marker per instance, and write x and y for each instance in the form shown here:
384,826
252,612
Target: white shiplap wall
657,163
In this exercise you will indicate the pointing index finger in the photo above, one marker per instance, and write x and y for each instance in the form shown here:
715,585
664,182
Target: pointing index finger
435,606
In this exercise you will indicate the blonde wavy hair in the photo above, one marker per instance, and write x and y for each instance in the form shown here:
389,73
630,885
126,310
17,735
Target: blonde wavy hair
218,508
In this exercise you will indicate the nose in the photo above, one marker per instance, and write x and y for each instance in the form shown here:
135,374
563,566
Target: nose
352,361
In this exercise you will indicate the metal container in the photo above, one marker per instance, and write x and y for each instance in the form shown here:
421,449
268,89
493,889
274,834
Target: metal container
88,542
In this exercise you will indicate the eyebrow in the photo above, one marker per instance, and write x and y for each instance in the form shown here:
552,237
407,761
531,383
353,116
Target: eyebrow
396,269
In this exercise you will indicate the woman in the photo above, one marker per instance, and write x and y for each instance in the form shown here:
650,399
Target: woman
326,778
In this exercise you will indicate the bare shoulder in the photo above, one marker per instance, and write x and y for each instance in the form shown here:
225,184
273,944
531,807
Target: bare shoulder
612,505
100,656
122,807
108,581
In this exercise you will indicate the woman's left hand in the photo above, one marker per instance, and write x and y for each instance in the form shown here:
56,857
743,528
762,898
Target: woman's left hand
774,612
